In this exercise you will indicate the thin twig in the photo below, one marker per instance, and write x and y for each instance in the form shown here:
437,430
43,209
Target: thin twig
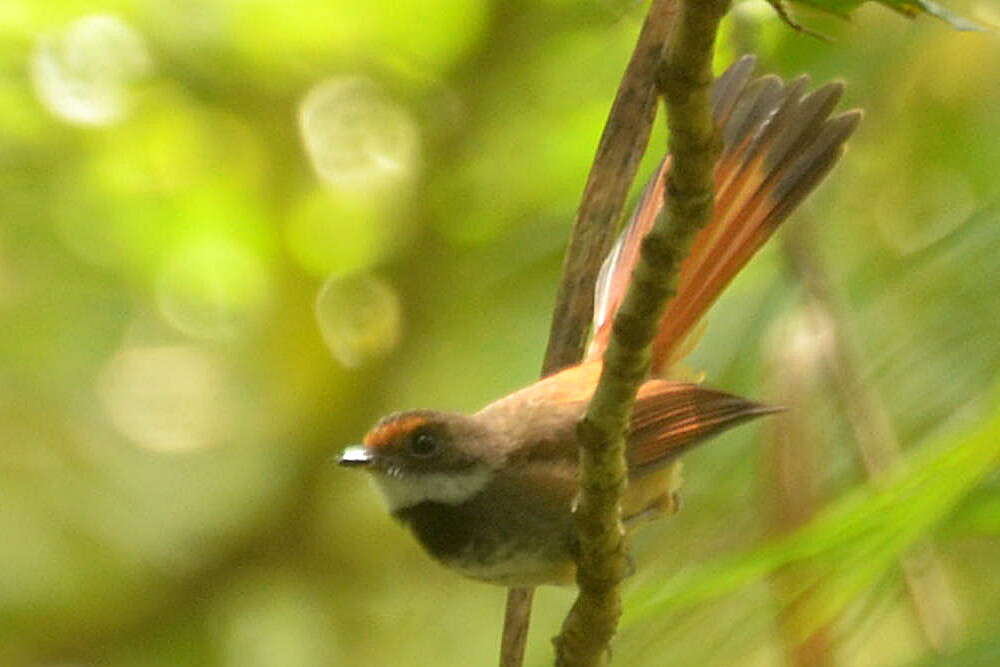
930,592
685,80
516,619
782,11
619,152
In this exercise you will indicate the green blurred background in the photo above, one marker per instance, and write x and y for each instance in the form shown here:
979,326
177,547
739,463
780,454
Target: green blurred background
233,233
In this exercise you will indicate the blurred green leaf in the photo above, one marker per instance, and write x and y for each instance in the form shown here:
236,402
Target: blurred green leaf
910,8
983,652
936,314
853,542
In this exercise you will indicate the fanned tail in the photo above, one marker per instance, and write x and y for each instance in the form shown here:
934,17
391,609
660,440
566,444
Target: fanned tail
778,144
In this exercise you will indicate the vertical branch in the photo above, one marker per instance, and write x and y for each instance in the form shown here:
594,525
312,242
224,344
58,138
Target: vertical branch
685,80
878,445
516,620
619,152
790,486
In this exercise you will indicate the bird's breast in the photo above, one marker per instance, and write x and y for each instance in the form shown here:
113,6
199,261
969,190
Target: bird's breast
498,537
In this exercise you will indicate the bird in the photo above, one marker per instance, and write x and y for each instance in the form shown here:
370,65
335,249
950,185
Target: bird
491,495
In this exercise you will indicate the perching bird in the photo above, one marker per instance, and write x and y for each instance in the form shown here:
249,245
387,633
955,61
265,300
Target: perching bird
491,495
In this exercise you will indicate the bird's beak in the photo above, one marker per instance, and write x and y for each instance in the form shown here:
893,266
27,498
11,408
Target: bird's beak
356,455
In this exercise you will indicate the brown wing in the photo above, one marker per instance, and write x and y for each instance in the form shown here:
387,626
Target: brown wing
668,419
671,417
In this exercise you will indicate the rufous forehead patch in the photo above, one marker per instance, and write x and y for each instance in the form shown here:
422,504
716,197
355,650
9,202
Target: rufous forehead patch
391,430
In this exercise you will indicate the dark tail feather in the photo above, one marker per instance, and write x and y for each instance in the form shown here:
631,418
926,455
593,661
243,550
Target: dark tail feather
778,144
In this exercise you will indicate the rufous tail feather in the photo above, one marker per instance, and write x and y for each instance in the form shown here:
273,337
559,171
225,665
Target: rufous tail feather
777,145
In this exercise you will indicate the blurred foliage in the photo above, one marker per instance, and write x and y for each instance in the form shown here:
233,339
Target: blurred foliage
906,7
855,539
234,233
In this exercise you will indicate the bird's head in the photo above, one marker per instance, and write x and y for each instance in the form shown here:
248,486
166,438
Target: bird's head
426,455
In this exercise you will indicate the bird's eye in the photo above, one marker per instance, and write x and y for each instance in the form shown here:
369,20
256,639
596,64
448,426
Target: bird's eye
423,445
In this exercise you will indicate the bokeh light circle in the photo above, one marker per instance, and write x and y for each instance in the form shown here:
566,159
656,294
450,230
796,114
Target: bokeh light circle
166,398
83,74
359,317
355,136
